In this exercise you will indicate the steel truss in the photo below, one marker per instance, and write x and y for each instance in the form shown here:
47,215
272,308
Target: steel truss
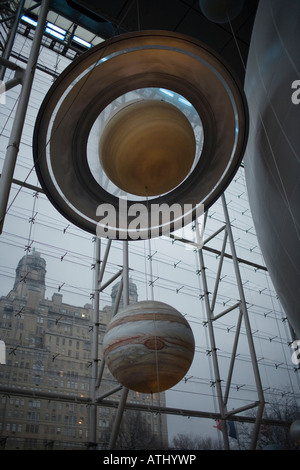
212,318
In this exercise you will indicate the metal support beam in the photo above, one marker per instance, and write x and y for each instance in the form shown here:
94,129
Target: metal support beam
124,394
247,326
17,80
209,315
243,316
233,355
17,128
218,252
110,392
18,77
112,279
41,395
229,309
93,407
116,306
10,65
33,187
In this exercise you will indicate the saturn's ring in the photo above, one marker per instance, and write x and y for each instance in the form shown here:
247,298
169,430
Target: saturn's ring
106,72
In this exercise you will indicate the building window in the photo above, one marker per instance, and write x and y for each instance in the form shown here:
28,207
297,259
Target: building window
32,428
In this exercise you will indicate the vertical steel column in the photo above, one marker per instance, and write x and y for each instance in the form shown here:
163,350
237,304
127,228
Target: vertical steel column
102,365
103,266
247,326
93,407
17,128
124,393
209,316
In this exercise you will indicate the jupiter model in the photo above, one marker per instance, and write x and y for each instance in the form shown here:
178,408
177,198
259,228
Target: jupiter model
149,346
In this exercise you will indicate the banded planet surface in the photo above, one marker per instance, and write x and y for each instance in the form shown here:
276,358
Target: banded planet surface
149,346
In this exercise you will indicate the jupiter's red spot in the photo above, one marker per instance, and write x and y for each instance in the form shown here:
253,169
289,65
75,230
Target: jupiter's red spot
154,343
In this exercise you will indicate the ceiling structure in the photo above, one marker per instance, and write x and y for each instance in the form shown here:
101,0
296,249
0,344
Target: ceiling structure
92,21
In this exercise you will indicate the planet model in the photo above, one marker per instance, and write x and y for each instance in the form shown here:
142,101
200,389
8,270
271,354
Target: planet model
149,346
